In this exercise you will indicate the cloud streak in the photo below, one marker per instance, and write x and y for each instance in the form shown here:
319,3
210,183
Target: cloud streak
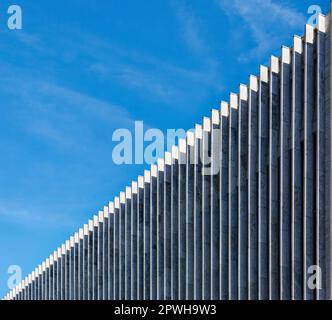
34,217
58,114
260,18
191,30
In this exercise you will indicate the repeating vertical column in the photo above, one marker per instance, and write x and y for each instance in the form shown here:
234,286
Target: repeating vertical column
42,283
68,270
81,265
28,281
47,281
146,233
122,245
263,184
233,198
43,276
85,284
128,262
34,286
63,275
55,285
100,260
243,192
167,225
160,228
106,254
17,293
140,280
174,225
154,234
55,277
50,280
206,207
274,176
116,248
95,257
32,281
28,284
253,189
27,292
72,269
76,266
12,294
285,175
215,202
224,204
198,232
90,261
20,296
309,170
26,288
320,162
297,170
31,286
111,273
134,247
38,284
182,219
190,204
36,272
58,278
21,289
328,159
23,297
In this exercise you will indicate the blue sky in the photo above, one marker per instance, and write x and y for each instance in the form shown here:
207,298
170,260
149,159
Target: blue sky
80,69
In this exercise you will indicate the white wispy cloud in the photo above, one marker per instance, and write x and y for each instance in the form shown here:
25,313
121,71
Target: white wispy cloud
265,21
58,114
34,216
192,30
189,27
143,73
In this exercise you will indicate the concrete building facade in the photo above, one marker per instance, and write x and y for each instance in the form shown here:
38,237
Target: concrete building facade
240,209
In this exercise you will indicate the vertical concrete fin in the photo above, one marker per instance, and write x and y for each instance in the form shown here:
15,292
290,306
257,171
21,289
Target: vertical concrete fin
309,162
263,151
233,200
274,176
243,217
297,170
285,173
